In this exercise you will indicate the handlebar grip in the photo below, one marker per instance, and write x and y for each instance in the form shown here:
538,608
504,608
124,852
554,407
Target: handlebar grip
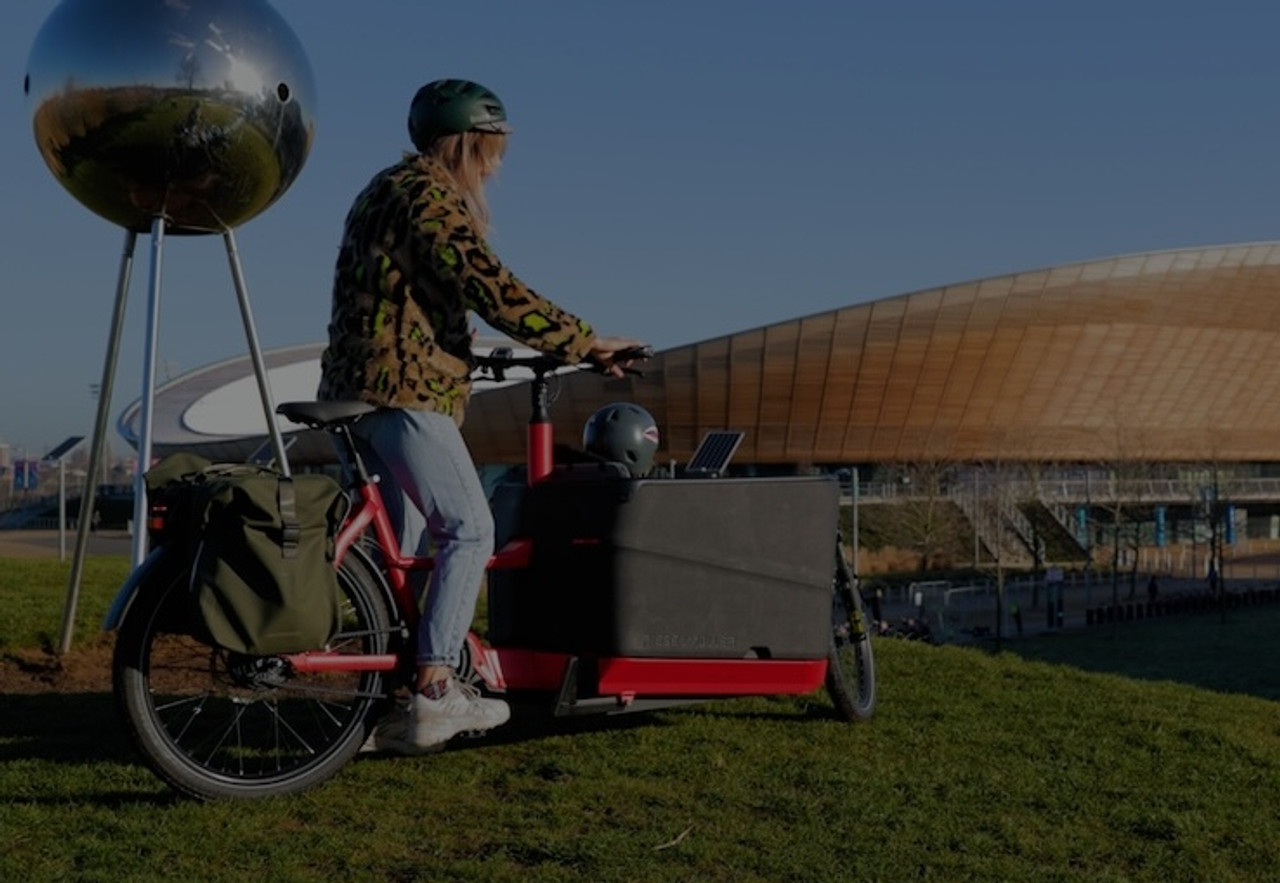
634,353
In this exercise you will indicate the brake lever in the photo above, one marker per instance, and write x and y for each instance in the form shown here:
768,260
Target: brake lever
640,353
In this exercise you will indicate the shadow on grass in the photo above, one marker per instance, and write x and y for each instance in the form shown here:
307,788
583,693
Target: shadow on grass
70,730
81,734
1227,652
532,719
78,727
535,720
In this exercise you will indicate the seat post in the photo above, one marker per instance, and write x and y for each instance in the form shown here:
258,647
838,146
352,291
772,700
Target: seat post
352,454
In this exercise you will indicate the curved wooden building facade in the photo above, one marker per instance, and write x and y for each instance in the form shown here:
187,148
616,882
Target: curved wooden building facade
1170,355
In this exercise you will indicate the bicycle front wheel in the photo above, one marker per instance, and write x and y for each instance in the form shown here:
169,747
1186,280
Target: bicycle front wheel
216,724
851,664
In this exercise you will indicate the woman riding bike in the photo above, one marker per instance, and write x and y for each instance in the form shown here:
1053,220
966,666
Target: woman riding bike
413,266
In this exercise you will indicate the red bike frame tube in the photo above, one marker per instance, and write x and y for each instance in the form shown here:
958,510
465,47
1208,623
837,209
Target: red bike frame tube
520,669
630,677
620,676
319,660
508,668
515,555
369,509
540,451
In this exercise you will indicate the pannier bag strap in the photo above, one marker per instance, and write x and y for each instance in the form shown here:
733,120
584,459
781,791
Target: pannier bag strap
291,530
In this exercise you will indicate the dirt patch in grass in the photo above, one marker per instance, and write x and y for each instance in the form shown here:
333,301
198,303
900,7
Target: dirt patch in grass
84,669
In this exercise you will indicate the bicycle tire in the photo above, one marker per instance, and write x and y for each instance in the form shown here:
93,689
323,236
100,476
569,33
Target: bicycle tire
219,725
851,663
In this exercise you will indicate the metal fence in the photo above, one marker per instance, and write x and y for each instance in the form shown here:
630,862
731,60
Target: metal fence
973,611
1098,490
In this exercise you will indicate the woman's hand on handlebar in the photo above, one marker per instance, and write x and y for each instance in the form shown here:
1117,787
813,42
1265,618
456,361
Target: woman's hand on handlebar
615,355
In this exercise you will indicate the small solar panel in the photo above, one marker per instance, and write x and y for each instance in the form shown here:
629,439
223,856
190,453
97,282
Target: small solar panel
64,448
714,452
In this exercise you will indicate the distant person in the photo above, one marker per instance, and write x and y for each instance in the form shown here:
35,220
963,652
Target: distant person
1153,589
877,602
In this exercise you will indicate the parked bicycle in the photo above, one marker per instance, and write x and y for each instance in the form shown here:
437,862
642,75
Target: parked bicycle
610,594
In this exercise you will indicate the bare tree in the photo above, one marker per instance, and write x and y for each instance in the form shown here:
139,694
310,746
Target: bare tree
1004,487
1129,471
924,517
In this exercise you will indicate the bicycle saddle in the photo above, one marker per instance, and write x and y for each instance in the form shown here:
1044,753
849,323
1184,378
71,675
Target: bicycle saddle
321,414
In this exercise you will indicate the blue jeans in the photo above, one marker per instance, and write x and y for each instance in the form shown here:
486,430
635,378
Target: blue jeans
435,499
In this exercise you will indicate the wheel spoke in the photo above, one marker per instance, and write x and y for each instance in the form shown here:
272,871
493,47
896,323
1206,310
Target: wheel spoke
282,724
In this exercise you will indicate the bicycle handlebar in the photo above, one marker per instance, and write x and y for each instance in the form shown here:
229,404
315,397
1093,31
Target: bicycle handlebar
499,359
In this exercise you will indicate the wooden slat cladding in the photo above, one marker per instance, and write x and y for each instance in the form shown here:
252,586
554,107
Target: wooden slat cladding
777,379
813,373
746,357
1168,355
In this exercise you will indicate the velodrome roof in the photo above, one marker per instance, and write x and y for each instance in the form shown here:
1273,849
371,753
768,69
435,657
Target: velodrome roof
1171,355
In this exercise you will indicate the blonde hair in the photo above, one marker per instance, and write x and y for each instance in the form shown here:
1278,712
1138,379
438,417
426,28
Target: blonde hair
472,158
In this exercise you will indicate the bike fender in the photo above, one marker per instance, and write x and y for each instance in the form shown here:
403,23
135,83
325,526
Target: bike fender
129,590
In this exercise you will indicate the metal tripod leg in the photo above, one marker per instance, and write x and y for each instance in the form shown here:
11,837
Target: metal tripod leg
255,354
89,494
146,422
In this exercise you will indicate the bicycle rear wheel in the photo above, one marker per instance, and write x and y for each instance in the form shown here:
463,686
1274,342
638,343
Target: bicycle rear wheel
216,724
851,664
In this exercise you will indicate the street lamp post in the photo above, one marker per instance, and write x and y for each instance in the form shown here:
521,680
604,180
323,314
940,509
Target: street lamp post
59,456
855,489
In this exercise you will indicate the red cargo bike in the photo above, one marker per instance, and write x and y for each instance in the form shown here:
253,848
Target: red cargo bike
608,594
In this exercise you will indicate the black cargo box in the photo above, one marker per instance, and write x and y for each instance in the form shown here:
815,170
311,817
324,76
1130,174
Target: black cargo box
718,568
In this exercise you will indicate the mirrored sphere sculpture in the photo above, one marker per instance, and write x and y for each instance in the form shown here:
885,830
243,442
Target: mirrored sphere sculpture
197,111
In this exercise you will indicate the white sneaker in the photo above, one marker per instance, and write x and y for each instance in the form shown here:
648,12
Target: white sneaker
433,722
425,725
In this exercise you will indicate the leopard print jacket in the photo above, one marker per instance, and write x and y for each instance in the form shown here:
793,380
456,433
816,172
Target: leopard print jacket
410,269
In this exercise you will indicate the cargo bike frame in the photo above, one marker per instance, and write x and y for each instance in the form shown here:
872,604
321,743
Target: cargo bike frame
216,724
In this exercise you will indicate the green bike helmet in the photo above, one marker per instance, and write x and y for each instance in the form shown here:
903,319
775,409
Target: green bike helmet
450,107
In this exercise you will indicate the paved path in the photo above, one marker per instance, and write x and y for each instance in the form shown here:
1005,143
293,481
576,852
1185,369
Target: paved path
44,543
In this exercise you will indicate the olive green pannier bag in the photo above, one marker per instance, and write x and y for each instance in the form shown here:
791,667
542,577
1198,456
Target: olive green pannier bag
261,551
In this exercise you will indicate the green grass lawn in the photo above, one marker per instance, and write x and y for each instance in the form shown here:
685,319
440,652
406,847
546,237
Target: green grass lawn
1144,752
33,592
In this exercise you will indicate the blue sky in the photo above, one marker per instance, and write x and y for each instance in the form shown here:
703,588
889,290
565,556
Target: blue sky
683,170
